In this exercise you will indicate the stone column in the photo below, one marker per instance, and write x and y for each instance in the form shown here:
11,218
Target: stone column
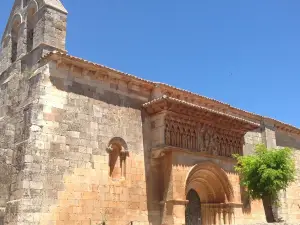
203,216
223,215
218,221
226,221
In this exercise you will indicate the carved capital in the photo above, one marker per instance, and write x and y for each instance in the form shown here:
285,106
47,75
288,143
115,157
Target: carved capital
109,149
124,153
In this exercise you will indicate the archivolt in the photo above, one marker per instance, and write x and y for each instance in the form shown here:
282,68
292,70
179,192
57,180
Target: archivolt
210,182
32,8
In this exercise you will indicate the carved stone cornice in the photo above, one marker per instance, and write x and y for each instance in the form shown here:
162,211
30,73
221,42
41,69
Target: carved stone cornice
162,151
144,86
175,202
84,68
199,114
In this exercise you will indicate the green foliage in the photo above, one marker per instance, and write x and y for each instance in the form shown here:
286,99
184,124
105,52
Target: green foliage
266,172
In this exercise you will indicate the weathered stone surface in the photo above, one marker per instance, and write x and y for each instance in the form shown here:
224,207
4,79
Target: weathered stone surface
77,145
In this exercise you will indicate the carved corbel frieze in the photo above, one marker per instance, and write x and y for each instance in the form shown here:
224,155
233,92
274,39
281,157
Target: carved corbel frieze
201,137
59,63
85,72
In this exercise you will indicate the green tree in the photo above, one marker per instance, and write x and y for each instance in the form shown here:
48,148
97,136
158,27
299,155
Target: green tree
265,173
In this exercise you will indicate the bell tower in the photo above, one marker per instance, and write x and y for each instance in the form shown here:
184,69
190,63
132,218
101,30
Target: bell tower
34,28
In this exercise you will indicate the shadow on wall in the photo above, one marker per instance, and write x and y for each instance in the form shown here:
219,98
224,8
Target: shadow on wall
107,96
245,199
84,194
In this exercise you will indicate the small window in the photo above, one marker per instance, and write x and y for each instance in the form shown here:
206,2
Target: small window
30,27
118,153
14,38
116,164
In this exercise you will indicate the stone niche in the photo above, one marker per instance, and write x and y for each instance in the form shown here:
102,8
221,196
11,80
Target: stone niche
118,152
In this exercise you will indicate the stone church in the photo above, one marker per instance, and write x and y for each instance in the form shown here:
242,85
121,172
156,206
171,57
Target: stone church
84,144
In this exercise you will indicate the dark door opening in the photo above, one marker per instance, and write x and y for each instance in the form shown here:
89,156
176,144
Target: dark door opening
193,209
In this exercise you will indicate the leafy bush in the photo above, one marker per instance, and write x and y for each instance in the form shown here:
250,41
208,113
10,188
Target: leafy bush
265,173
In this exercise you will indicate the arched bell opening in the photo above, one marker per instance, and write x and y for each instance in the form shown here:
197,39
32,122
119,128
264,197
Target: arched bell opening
15,27
31,11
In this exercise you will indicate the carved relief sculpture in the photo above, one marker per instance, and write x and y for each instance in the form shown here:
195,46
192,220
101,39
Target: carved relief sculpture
202,137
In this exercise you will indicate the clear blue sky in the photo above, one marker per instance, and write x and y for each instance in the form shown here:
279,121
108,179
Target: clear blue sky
245,53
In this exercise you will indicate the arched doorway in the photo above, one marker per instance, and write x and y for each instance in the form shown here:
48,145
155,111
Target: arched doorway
193,209
209,193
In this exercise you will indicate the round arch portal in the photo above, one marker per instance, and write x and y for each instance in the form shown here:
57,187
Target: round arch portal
210,182
208,190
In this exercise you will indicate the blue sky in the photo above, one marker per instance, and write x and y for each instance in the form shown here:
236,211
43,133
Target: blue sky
245,53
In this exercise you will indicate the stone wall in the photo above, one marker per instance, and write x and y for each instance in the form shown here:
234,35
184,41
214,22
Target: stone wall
290,199
251,139
17,109
78,117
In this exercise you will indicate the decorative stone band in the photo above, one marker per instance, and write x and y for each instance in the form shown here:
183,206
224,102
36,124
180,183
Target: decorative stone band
161,151
222,205
175,202
209,205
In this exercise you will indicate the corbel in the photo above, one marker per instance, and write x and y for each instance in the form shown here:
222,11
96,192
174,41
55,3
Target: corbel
71,68
59,63
134,86
98,75
85,72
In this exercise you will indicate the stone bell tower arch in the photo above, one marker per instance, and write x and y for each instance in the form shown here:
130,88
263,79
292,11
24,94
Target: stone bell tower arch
34,28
